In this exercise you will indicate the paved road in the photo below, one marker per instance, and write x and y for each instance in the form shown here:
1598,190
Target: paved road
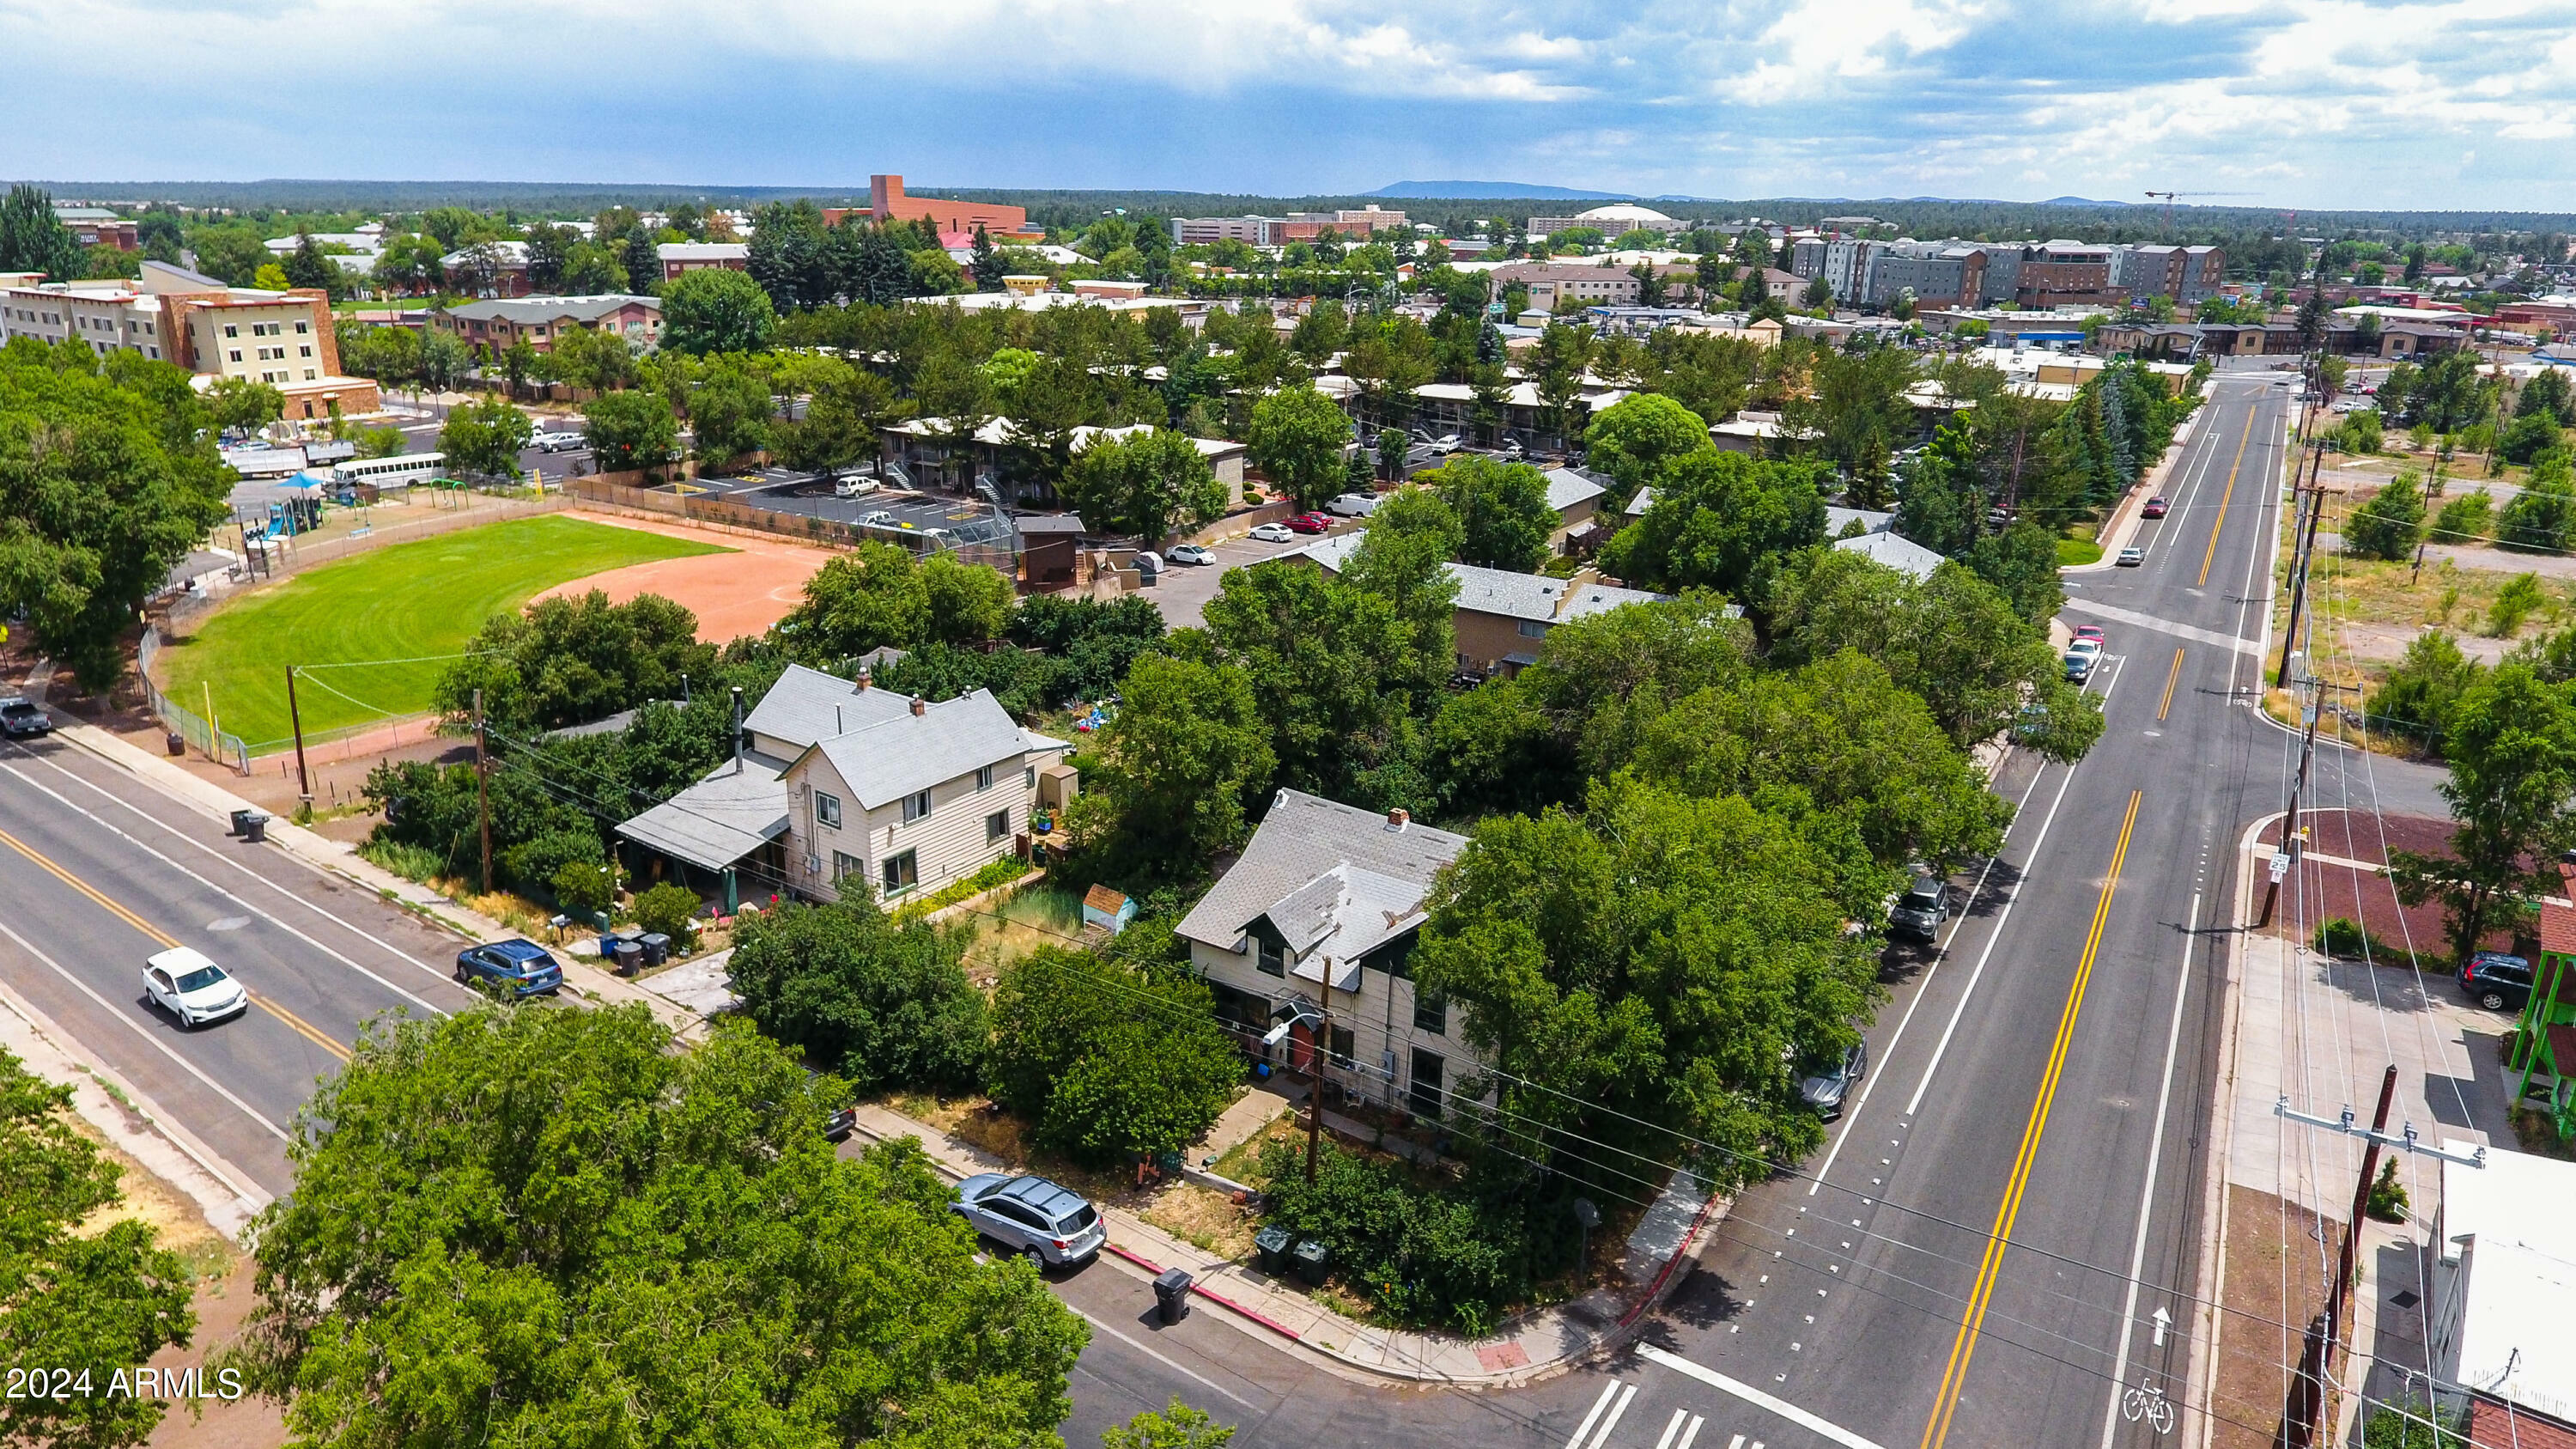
99,871
2023,1077
2024,1081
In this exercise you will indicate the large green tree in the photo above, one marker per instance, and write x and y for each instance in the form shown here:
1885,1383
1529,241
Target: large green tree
1635,438
630,430
2511,741
1720,521
884,1002
87,1296
731,410
1336,673
865,599
105,485
1659,963
1106,1059
485,437
542,1226
569,660
1173,775
715,309
1145,484
1502,512
33,239
1297,438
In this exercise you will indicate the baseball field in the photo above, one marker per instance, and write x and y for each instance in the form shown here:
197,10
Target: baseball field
368,631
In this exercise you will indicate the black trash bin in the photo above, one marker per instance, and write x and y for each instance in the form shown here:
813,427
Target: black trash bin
1270,1246
176,743
1312,1257
241,821
657,947
1172,1294
630,958
254,827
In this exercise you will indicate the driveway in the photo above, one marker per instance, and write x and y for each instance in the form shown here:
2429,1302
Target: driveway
1183,593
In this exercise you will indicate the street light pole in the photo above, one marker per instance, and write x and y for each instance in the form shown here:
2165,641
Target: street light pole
1315,1087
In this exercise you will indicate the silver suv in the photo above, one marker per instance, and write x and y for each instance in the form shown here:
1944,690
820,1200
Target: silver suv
20,717
1921,910
1043,1221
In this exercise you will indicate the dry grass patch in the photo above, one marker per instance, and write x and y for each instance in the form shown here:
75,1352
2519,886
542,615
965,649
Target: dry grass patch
1042,915
1205,1218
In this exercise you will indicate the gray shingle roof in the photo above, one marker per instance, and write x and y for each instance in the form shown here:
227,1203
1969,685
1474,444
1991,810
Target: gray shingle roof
1896,551
727,815
807,706
1871,520
549,309
1338,879
1593,599
885,761
1567,487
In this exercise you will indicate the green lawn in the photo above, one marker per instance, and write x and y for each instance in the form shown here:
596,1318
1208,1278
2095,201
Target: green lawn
403,602
2073,551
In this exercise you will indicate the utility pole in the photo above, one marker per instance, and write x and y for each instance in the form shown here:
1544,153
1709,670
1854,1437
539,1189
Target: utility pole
2307,1395
2307,543
295,717
482,790
1315,1085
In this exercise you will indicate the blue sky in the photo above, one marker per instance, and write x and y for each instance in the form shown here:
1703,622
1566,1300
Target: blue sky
2298,103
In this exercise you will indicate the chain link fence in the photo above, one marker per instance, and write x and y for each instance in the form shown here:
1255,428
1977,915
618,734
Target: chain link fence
195,733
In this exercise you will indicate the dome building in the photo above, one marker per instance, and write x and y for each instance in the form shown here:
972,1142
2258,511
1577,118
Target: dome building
1611,220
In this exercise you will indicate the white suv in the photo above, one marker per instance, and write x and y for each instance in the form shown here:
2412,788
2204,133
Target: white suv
1047,1223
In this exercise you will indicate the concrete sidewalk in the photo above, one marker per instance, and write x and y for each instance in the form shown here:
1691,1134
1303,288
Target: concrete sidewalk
1531,1346
2122,525
2322,1033
217,803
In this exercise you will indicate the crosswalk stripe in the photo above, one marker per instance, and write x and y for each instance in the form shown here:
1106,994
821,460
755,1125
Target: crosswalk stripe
1602,1437
1594,1417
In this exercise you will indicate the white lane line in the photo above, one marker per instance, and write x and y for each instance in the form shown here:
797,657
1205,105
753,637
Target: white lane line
2147,1194
1690,1435
1626,1396
397,952
14,773
1916,1101
1594,1417
1680,1417
1760,1400
1852,1118
2140,620
140,1030
1156,1355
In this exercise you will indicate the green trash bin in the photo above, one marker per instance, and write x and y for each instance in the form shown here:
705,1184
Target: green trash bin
1270,1247
1312,1256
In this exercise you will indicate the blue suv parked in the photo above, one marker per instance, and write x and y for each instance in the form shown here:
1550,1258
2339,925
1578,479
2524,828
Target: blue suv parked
514,968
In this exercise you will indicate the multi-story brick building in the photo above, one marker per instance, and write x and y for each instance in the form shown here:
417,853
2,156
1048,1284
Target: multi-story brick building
284,339
955,219
2067,273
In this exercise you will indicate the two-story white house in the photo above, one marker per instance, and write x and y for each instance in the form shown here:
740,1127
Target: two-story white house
836,780
1323,908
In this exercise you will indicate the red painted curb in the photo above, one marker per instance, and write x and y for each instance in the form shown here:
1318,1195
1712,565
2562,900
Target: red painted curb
1661,1277
1274,1325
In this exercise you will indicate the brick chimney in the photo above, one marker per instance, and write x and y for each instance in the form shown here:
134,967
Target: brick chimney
918,708
1398,818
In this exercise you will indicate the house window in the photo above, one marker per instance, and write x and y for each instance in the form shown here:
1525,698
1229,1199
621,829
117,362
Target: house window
916,806
997,825
902,873
827,808
1533,629
1426,1094
236,354
1272,963
1337,1045
231,331
1032,775
303,327
984,778
305,351
1431,1013
845,865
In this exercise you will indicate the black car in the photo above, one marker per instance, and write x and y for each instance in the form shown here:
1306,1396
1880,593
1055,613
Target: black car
21,718
2497,981
515,968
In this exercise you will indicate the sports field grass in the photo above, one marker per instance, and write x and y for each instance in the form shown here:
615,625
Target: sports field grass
408,601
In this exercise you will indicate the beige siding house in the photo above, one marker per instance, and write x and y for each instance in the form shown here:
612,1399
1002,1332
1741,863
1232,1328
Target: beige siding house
1321,911
837,781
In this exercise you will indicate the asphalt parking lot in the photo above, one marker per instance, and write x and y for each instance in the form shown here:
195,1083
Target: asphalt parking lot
1182,593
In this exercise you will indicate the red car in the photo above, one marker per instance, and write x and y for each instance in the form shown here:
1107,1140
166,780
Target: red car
2088,631
1311,523
2155,508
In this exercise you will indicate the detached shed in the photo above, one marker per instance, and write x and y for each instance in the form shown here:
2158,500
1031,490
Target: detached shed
1107,909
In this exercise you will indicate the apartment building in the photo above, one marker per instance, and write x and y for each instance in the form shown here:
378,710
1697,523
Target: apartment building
171,314
2067,273
1610,221
2189,275
679,257
96,226
538,321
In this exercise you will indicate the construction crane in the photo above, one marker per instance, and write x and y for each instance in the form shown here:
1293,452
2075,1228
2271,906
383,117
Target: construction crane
2169,201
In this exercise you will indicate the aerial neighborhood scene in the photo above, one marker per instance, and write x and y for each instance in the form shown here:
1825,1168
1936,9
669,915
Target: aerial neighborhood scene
951,730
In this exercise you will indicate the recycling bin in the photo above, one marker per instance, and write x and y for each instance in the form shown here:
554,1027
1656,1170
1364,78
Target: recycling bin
630,958
1270,1247
1172,1294
254,826
1312,1257
657,947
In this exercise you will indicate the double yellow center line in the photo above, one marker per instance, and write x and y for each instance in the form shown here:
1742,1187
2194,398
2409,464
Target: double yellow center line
2211,556
294,1023
1954,1378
